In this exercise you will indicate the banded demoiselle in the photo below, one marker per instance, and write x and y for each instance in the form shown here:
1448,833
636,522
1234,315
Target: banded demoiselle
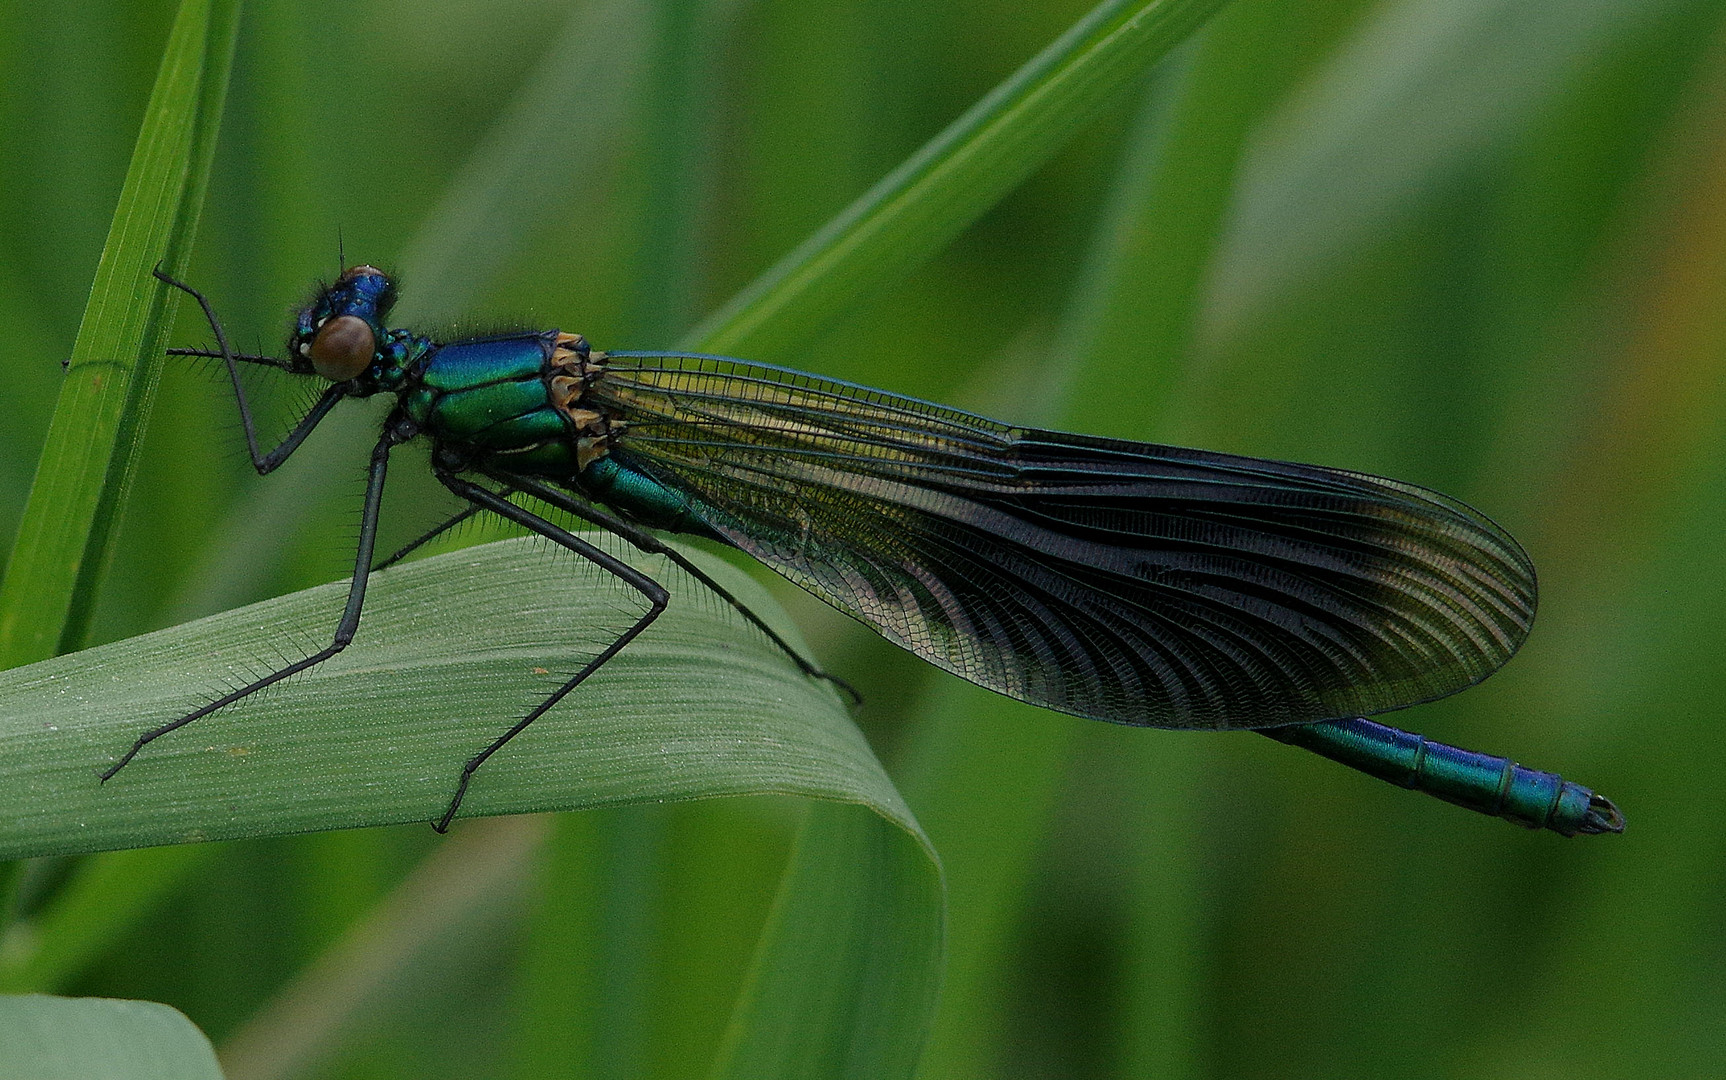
1130,582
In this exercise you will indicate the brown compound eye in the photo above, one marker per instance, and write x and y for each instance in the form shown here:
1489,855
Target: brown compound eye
342,348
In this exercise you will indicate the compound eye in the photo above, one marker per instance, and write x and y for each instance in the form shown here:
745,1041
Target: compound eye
342,348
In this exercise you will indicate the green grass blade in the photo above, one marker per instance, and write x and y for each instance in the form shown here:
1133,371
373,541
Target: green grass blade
451,650
916,209
376,966
1422,92
845,983
969,748
538,158
69,522
50,1038
106,896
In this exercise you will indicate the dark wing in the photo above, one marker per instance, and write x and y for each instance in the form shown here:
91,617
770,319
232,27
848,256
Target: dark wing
1123,581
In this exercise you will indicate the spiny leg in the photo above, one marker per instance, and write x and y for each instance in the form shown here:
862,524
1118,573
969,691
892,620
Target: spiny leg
344,630
264,463
656,595
433,533
646,541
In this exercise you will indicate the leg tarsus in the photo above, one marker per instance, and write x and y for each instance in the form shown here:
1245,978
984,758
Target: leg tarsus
441,825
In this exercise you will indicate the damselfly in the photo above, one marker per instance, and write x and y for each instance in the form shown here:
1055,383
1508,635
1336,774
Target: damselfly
1129,582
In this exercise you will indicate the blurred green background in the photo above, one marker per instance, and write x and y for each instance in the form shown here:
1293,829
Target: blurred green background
1475,244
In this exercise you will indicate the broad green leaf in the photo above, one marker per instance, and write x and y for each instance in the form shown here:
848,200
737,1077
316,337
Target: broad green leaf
452,650
53,1038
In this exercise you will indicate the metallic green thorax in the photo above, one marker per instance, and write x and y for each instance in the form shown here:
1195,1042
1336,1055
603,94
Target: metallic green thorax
492,401
519,404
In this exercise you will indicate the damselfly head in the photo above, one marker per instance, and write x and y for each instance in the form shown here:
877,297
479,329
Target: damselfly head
338,334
